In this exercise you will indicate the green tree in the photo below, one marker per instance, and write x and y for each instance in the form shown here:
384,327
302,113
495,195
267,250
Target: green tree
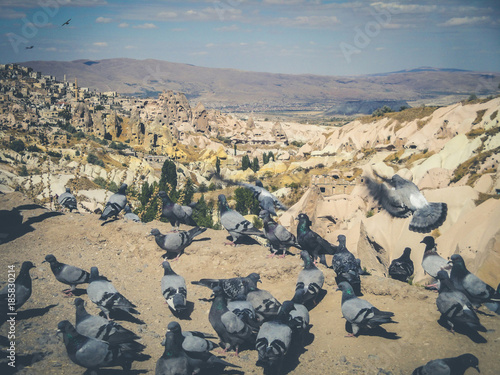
255,164
270,156
202,213
245,162
188,192
265,158
168,176
217,166
93,159
234,147
246,203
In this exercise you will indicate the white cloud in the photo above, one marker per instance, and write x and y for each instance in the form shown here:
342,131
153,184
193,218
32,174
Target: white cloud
200,53
460,21
405,8
10,14
145,26
123,25
226,29
130,47
308,21
100,44
103,20
210,45
167,15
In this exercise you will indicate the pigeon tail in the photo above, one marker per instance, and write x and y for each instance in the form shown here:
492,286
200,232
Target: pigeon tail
429,217
196,231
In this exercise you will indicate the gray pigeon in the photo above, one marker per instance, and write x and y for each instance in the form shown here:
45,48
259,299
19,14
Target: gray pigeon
129,215
94,354
233,287
68,200
298,321
346,266
106,297
174,361
22,290
279,238
115,204
67,274
449,366
476,290
311,241
175,243
402,268
173,288
244,310
432,262
402,198
235,223
265,305
175,213
360,313
454,306
492,305
274,339
232,331
309,282
267,200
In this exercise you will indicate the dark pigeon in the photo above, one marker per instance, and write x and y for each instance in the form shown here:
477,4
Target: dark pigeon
279,238
175,213
233,287
174,361
402,198
129,215
173,288
244,310
476,290
493,305
309,282
66,274
176,243
23,290
94,354
360,313
449,366
346,267
106,297
232,331
432,262
312,242
402,268
235,223
274,340
298,321
68,200
115,204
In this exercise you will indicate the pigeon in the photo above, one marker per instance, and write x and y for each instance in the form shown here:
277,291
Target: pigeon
233,287
129,215
454,306
67,200
174,361
115,204
346,266
105,295
22,290
244,310
274,339
298,321
360,313
235,223
312,242
492,305
197,350
173,288
66,23
310,280
432,262
279,238
265,305
175,243
449,366
232,331
402,198
102,329
175,213
267,200
67,274
402,268
94,354
476,290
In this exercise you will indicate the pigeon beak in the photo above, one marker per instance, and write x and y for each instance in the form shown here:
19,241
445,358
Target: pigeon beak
337,289
163,342
44,261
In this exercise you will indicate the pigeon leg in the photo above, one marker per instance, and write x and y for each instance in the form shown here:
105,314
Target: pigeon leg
68,293
351,335
176,258
231,243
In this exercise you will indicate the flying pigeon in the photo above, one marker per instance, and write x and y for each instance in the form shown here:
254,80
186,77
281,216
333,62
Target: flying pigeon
346,266
449,366
67,200
402,268
94,354
274,339
235,223
66,23
432,262
233,287
29,47
67,274
22,290
129,215
173,288
402,198
102,329
175,243
267,200
312,242
310,281
115,204
476,290
175,213
279,238
360,313
106,297
265,305
454,306
232,331
174,361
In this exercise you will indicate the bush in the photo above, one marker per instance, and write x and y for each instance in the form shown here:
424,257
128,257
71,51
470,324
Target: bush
203,187
100,182
33,148
93,159
17,145
24,171
246,203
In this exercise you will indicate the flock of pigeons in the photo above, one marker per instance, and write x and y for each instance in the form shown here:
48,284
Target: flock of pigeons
244,316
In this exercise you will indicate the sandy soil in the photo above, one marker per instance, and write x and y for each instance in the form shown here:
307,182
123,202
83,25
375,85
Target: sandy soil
130,260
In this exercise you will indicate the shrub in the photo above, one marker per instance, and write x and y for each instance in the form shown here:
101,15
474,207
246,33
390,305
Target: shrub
203,187
100,182
93,159
23,171
17,145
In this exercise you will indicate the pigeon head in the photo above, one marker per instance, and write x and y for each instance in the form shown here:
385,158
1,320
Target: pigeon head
346,288
26,266
429,242
442,275
174,327
50,259
304,255
469,360
154,232
94,274
406,252
264,214
122,189
68,190
398,181
304,220
341,239
458,262
65,326
255,277
164,197
259,183
79,302
287,306
166,266
127,209
217,291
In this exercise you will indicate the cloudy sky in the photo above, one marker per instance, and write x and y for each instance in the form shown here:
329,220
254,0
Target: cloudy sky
337,37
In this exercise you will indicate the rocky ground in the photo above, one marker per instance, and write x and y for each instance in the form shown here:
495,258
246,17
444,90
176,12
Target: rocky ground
130,259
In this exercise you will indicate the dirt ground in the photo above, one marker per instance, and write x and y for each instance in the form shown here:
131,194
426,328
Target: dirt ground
131,260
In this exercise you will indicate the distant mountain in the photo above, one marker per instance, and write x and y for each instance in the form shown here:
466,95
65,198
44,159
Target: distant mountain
237,90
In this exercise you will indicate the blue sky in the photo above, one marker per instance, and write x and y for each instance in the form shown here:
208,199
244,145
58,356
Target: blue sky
280,36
